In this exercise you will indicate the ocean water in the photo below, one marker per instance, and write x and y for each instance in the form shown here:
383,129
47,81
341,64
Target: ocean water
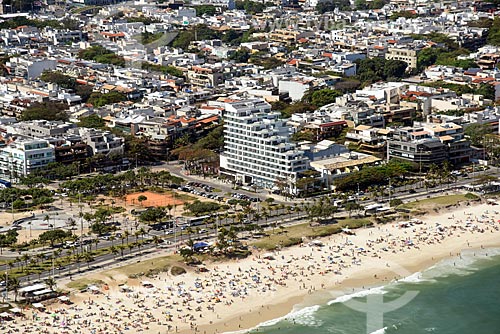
456,296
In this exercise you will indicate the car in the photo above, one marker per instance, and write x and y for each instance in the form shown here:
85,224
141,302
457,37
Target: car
412,191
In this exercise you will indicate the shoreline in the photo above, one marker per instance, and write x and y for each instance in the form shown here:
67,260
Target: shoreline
303,301
238,295
364,282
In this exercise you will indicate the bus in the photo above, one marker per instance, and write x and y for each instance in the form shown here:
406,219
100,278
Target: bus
5,184
196,221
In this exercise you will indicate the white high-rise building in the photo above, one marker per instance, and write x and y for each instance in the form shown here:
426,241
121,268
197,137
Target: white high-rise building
257,148
23,156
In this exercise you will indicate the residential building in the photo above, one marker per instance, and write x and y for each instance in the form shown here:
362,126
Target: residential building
257,149
409,56
24,155
416,145
102,142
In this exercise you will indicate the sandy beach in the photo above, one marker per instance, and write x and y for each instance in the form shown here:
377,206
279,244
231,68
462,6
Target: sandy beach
238,295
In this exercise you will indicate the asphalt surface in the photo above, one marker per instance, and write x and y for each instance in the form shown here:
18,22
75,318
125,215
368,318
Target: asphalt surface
176,169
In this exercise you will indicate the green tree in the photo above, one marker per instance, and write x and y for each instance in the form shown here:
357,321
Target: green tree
101,55
93,121
153,215
394,69
198,208
494,32
99,99
476,133
58,78
251,7
329,6
53,236
241,55
50,111
208,10
323,97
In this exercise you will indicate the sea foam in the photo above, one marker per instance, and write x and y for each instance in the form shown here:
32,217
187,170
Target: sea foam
302,316
467,263
363,293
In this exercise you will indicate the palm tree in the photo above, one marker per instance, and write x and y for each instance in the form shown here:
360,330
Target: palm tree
51,283
157,240
78,258
121,248
142,232
25,258
169,209
222,239
46,218
87,256
112,239
126,234
14,285
114,250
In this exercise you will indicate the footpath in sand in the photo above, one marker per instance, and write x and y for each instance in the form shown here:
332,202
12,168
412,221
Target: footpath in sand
241,294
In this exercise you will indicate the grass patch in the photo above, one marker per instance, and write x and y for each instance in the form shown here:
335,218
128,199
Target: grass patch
143,267
434,202
293,235
183,197
82,283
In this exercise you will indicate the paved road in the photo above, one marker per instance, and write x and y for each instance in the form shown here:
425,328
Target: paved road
401,192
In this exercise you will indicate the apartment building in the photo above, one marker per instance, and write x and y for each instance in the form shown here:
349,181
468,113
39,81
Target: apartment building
102,142
289,36
416,145
205,76
257,148
453,137
24,155
409,56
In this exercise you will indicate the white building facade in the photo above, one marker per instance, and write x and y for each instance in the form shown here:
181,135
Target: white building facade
257,148
24,156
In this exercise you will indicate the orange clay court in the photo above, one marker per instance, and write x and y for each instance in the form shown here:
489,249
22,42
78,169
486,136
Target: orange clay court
153,199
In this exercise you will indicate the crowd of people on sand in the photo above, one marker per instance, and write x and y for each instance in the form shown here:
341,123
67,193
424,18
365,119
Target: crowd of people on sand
190,301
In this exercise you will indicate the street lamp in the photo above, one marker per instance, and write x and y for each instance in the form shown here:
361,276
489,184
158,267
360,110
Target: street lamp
6,285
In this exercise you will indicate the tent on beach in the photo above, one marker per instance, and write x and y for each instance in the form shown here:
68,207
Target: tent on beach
16,310
317,243
147,284
5,315
39,306
268,256
64,299
94,289
125,288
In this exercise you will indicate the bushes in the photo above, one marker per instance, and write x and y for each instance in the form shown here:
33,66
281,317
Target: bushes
471,196
395,202
198,208
101,55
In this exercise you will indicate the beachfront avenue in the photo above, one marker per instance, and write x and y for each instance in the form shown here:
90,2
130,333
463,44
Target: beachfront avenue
149,238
